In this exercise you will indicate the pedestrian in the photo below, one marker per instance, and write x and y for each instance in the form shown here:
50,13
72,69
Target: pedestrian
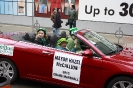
67,6
52,17
72,17
53,14
57,22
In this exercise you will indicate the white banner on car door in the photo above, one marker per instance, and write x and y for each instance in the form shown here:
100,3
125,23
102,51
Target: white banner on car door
6,49
120,11
67,67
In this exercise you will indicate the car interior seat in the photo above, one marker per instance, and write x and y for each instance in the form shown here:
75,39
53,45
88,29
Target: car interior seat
63,35
53,40
26,36
48,44
32,37
29,37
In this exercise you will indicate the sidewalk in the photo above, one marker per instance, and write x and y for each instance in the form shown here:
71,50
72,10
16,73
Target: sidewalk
125,41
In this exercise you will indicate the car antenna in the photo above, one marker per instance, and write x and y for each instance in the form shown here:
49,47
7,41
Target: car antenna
118,34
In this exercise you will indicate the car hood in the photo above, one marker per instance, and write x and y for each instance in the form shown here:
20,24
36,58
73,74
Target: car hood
125,56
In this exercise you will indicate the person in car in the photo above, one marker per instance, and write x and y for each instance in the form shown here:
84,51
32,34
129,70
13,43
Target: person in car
62,43
72,40
41,37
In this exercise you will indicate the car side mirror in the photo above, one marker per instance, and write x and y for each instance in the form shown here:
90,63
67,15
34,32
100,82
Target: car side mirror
87,52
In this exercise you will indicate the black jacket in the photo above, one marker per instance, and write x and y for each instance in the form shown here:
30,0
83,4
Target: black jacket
39,41
57,21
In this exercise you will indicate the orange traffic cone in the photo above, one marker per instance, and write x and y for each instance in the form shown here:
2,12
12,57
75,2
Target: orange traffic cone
4,82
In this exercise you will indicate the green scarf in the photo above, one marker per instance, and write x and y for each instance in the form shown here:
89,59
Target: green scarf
43,41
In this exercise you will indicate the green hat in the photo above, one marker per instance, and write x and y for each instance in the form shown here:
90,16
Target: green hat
42,29
62,40
72,30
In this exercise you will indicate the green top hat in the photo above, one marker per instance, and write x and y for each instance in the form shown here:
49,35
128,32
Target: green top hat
62,40
72,30
42,29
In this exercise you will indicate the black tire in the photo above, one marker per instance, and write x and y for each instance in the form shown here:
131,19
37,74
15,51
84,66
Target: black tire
123,79
4,81
14,75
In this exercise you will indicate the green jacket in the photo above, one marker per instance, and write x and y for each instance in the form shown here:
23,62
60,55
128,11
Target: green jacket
70,44
72,15
65,49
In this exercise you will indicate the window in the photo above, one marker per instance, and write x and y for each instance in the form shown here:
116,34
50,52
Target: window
2,10
7,0
40,8
21,7
67,6
15,9
29,9
43,6
8,8
100,42
29,0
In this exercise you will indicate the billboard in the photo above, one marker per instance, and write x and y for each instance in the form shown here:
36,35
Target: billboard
120,11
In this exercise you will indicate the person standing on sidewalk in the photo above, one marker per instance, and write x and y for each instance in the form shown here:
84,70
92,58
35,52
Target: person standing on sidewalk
57,22
52,17
72,17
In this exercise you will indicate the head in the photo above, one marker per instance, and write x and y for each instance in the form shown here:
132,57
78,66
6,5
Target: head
62,42
58,10
54,10
73,37
72,7
41,33
72,31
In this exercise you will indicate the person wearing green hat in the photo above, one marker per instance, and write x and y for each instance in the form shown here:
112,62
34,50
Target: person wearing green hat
62,43
72,40
41,37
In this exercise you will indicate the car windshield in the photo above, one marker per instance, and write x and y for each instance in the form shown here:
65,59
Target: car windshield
100,42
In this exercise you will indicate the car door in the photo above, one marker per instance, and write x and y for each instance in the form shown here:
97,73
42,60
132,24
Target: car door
91,72
91,68
60,66
46,62
26,57
69,68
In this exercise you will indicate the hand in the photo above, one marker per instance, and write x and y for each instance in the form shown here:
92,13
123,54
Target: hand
75,46
75,43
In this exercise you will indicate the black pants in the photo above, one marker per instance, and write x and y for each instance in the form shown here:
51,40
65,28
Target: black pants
72,24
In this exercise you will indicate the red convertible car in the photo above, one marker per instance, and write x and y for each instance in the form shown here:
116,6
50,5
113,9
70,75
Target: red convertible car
101,64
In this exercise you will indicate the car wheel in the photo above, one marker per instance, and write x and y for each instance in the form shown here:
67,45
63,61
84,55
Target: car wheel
8,69
121,82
